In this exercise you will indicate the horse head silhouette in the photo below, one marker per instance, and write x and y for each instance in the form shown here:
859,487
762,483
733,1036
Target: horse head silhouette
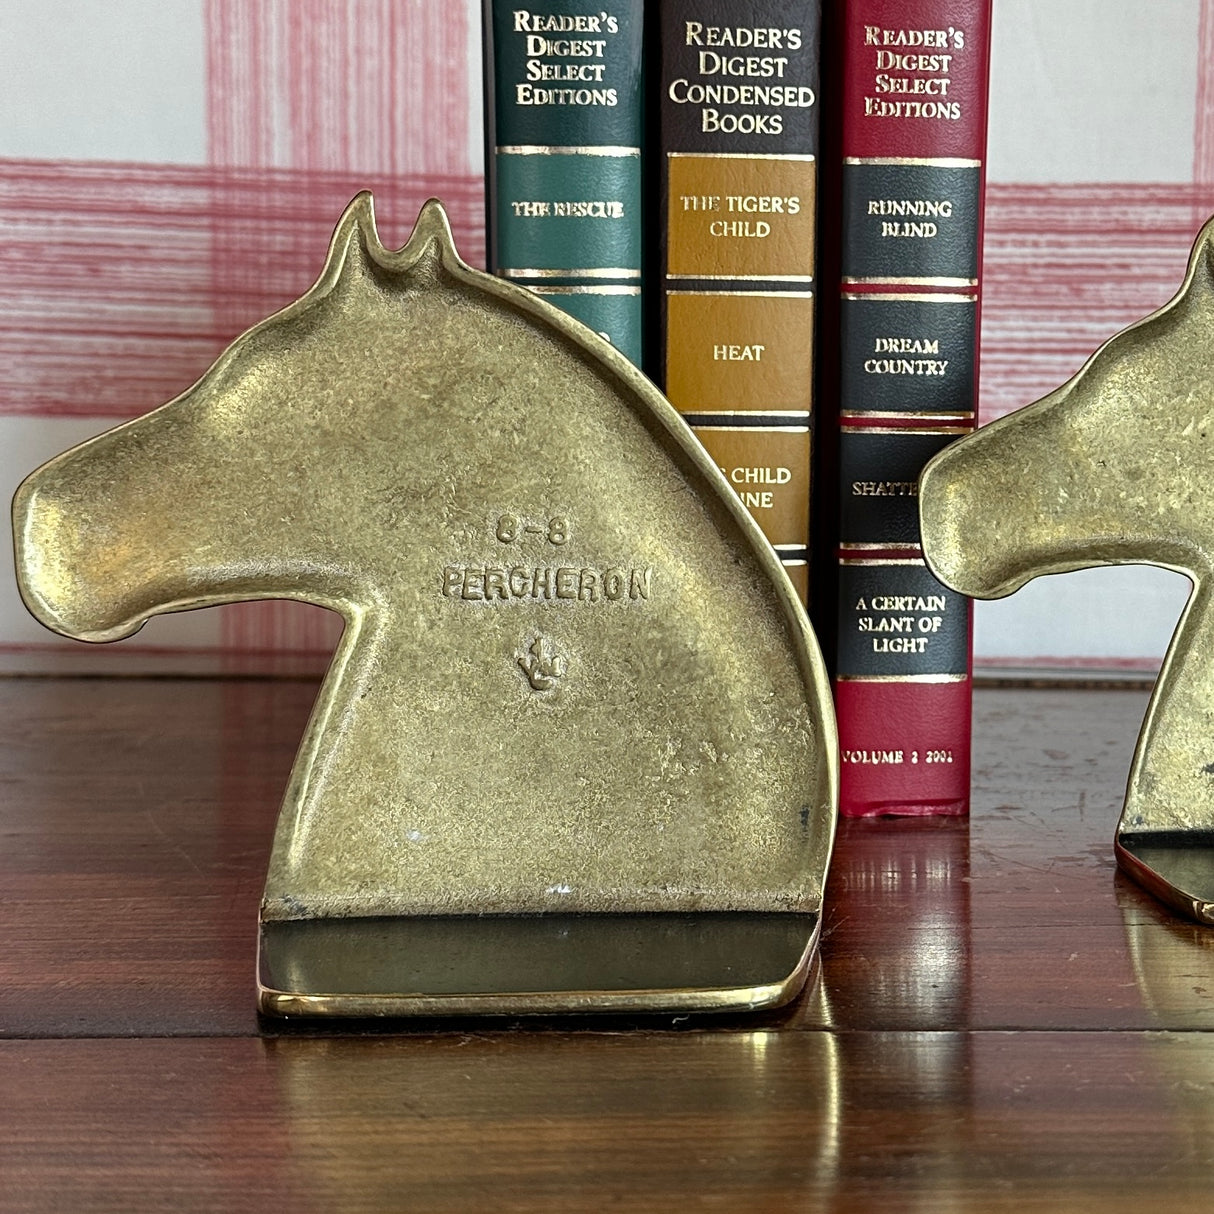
573,686
1114,467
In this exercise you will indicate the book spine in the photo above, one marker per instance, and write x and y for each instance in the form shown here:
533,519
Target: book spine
914,103
564,122
737,127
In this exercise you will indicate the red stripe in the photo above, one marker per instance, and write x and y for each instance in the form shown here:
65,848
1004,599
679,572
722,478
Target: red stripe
1147,665
361,90
134,647
1067,266
376,85
273,627
316,656
120,283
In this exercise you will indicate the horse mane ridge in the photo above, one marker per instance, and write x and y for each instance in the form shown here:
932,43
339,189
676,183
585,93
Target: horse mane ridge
357,235
1202,256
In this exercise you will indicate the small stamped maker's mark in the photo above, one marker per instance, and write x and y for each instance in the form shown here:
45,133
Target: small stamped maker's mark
542,665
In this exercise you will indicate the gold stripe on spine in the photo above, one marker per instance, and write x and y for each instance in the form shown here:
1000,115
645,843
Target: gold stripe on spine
935,162
909,296
880,561
902,678
886,547
901,430
740,278
756,429
912,282
605,289
926,417
541,149
747,294
595,272
803,156
758,411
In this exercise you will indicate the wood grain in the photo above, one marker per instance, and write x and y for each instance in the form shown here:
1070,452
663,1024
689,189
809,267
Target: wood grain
1000,1022
138,814
637,1122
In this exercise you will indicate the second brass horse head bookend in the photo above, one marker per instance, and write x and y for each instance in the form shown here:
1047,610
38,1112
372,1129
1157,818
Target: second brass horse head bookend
575,750
1115,467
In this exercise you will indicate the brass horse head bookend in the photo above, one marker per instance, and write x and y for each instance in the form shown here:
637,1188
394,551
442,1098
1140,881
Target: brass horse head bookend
1115,467
575,750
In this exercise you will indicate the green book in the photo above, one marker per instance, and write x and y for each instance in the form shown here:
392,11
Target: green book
564,119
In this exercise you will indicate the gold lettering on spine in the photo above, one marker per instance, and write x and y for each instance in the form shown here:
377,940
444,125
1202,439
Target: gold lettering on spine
901,623
574,61
740,351
912,78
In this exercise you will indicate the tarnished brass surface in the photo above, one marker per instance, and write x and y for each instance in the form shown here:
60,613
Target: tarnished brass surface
1115,467
512,964
574,680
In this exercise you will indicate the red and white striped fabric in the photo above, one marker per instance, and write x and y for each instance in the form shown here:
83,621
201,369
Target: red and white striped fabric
169,173
126,274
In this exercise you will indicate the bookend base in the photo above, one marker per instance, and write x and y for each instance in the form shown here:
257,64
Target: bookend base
445,965
1177,867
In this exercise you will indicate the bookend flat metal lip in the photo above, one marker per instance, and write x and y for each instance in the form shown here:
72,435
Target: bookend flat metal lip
1115,467
575,750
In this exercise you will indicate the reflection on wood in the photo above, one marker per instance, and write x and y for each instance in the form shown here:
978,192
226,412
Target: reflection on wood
983,1034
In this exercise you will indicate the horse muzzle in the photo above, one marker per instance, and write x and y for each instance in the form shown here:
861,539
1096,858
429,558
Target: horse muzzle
980,517
82,561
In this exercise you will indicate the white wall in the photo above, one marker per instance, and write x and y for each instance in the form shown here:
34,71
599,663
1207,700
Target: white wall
1082,91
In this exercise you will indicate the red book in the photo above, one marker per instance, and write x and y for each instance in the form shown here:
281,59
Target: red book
913,111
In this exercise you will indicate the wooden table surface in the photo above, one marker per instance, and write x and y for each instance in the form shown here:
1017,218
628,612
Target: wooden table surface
1000,1022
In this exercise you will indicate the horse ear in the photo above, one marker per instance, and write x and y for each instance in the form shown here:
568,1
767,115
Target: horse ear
431,233
356,246
355,240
